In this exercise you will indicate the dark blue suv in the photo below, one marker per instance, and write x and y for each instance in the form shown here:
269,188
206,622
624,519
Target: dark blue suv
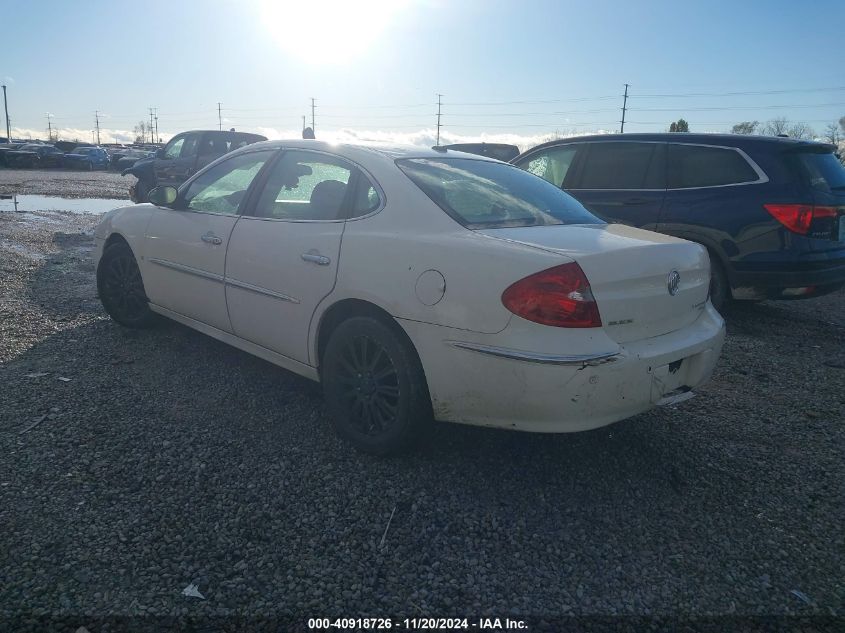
770,210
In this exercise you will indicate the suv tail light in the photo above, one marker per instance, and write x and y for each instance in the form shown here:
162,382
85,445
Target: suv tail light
799,218
559,296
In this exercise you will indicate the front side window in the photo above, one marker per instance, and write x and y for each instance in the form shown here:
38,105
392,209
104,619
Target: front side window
622,165
222,188
697,166
174,147
483,194
190,147
552,164
305,186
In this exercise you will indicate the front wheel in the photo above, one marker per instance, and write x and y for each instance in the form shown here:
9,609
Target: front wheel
121,288
375,387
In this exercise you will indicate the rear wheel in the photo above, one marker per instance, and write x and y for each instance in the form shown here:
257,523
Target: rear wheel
720,288
374,387
121,288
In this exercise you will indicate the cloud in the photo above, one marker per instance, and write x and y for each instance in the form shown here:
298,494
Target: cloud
424,137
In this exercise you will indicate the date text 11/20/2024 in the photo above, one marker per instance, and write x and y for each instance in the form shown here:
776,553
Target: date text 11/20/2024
417,624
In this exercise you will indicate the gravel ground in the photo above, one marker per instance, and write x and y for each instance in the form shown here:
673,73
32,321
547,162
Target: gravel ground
67,184
139,462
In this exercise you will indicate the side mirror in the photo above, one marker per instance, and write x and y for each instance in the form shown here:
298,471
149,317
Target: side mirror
160,153
162,196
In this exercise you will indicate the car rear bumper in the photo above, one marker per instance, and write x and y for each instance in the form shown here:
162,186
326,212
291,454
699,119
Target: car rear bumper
477,382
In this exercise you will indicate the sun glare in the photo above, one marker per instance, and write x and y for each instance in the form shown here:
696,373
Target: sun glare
328,31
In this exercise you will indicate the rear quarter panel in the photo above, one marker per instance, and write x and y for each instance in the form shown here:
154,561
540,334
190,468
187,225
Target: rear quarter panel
383,256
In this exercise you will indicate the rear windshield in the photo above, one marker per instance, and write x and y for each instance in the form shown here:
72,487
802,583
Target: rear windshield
481,194
824,171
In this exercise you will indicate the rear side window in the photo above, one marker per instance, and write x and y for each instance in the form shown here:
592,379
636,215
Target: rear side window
697,166
551,164
623,166
823,171
483,194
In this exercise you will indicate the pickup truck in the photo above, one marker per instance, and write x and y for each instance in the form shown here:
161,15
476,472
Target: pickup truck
182,157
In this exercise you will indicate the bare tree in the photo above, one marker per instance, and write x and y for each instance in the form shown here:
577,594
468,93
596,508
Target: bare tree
775,127
832,134
746,127
801,131
140,132
783,127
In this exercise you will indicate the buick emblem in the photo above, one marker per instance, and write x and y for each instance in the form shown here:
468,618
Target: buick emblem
673,282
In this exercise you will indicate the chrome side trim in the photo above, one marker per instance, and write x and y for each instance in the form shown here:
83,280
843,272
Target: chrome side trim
534,357
261,291
186,269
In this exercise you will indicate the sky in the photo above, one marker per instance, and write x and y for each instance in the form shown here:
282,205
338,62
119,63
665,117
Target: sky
513,71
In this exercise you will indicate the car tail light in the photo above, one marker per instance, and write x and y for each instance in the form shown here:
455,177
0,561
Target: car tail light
559,296
799,217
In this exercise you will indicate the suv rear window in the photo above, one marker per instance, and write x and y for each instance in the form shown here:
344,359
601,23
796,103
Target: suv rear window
482,194
700,166
623,165
824,171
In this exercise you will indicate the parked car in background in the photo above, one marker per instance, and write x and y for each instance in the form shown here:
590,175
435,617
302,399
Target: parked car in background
183,156
87,157
8,147
499,151
418,283
37,155
128,157
769,210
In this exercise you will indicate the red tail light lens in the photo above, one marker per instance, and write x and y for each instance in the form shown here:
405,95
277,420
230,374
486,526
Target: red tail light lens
559,296
798,217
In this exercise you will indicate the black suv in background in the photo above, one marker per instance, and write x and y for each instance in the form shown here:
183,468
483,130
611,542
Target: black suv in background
183,156
771,211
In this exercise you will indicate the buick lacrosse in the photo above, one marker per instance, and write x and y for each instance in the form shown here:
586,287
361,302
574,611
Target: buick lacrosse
418,285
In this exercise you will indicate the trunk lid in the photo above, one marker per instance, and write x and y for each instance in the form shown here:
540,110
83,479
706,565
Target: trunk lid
629,272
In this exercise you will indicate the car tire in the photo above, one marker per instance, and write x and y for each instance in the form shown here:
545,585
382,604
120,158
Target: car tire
720,287
375,387
121,288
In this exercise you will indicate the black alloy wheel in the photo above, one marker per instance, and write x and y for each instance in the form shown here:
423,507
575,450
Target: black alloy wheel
121,288
375,387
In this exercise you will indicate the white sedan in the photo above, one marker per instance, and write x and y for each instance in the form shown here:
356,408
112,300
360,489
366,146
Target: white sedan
418,285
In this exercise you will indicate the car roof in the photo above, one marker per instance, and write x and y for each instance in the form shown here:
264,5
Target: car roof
731,140
392,152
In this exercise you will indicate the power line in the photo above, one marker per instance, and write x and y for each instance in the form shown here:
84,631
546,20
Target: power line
685,95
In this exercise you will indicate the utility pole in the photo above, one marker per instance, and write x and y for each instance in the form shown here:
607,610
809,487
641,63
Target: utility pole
8,125
303,122
439,104
156,118
624,108
49,128
151,126
97,124
313,126
219,118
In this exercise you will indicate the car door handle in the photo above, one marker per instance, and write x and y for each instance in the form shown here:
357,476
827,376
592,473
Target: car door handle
320,260
211,238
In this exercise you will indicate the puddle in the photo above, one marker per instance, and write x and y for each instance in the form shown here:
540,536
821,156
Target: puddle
25,203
